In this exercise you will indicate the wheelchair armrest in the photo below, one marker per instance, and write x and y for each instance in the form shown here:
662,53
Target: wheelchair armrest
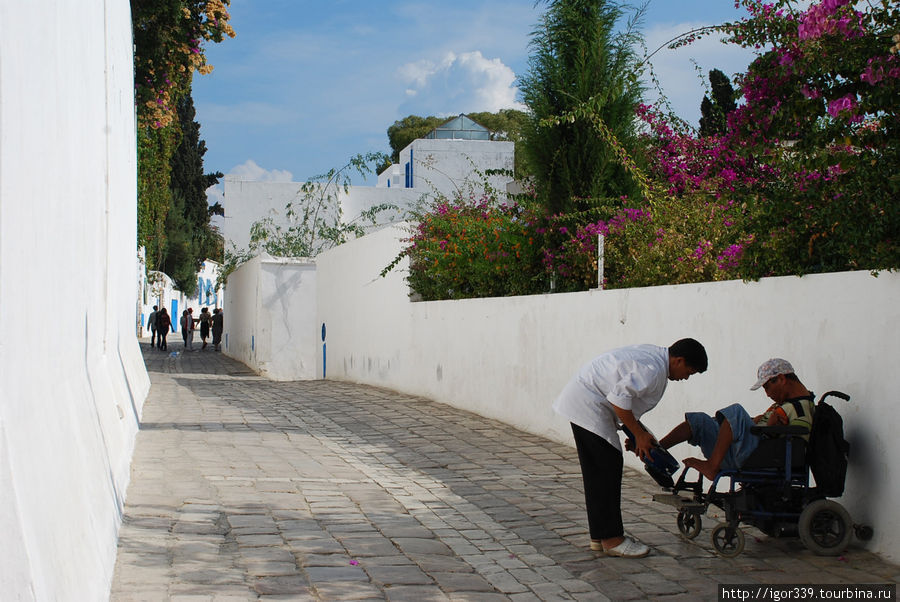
779,430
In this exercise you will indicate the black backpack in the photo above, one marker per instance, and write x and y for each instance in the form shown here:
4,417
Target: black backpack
828,450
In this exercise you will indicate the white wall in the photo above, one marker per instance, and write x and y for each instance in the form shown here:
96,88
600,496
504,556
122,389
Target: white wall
247,202
507,358
72,381
270,317
447,165
442,167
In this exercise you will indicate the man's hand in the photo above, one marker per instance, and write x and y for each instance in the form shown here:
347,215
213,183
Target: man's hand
643,441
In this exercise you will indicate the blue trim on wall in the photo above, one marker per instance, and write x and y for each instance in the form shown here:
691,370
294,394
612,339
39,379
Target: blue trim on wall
324,355
174,315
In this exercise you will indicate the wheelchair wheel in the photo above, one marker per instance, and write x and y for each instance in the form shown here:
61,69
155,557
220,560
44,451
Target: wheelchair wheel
728,545
825,528
689,523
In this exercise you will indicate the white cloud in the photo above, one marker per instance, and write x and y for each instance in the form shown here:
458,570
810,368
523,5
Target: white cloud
215,194
249,170
459,83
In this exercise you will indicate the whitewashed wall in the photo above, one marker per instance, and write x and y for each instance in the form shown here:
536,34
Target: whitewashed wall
442,167
447,166
507,358
270,317
72,382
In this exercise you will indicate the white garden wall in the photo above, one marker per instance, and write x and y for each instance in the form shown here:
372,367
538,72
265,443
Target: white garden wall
270,317
507,358
72,382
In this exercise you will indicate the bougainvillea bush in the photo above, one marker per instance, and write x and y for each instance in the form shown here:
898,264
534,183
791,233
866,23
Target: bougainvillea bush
821,115
474,247
805,178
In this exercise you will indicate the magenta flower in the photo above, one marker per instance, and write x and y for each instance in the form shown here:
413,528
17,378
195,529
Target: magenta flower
846,103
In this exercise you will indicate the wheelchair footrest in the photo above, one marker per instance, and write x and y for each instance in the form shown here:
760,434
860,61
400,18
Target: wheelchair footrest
677,501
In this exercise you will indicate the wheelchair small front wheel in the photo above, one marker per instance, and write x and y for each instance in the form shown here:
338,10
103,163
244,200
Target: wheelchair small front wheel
728,541
689,523
825,528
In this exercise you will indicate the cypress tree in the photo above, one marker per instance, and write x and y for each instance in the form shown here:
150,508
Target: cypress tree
581,54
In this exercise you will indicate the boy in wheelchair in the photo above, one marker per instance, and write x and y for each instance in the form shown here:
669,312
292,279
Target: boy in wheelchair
769,477
726,440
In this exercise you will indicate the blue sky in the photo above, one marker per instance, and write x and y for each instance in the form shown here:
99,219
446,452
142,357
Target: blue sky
306,85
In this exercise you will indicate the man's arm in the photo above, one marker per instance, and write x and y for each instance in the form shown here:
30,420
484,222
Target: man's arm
643,441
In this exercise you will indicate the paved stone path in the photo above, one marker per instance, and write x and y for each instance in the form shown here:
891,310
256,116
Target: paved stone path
246,489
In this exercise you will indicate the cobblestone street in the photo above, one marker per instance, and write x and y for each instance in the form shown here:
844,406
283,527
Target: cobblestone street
244,488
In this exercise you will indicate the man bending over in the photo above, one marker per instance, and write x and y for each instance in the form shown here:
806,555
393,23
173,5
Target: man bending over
725,439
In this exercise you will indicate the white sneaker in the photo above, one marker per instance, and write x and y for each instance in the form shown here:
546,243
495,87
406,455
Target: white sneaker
629,548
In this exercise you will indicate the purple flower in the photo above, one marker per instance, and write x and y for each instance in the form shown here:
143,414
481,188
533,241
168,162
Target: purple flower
844,103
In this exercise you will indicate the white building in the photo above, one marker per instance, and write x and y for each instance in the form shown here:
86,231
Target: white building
72,380
450,161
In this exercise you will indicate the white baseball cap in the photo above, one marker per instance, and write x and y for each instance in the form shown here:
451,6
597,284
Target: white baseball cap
770,369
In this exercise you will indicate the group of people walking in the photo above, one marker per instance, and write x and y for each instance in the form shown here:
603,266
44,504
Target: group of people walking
160,322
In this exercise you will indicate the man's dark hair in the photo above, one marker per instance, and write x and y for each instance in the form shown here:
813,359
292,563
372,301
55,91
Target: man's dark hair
692,351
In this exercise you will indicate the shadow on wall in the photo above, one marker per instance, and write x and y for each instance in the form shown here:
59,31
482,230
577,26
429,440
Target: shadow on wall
865,467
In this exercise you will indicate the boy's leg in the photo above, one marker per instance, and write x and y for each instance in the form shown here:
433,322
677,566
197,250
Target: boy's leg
732,444
679,434
709,468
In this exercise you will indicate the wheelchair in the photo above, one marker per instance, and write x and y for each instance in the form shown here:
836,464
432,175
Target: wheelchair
772,492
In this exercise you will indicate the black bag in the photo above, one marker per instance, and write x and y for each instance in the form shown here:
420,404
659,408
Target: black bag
828,450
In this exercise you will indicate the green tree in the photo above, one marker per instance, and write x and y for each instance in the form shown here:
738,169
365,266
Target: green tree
410,128
582,56
191,238
714,112
168,49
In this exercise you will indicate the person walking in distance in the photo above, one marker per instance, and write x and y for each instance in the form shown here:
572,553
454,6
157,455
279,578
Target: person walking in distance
163,324
204,326
218,324
191,326
184,327
151,323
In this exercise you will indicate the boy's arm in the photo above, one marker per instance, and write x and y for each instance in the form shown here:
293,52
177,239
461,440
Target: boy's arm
778,416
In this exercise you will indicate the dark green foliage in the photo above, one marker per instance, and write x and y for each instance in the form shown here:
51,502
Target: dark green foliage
408,129
714,113
191,239
581,55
